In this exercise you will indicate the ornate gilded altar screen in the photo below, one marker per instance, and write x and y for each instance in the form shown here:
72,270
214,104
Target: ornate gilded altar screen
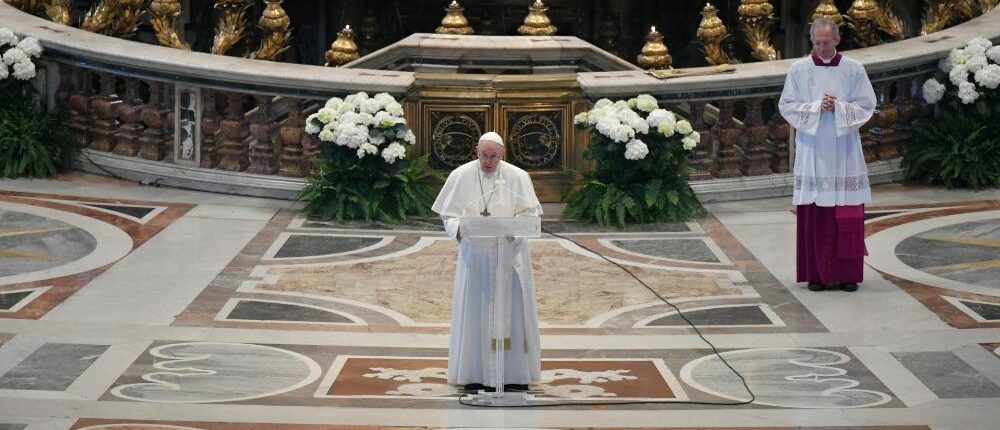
533,113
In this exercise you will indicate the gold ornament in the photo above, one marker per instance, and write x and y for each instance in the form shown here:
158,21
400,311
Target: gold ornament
826,9
343,50
275,22
231,26
164,19
711,32
654,53
59,10
756,16
872,22
537,23
100,17
128,16
942,14
454,21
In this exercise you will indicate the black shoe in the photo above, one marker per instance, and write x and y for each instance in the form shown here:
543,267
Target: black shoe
815,286
515,387
475,388
850,287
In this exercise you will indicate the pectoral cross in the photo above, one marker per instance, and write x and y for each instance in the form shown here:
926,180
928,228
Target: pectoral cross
485,212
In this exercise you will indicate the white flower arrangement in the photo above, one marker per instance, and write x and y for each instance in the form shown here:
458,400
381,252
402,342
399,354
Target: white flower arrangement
971,69
621,122
368,125
17,56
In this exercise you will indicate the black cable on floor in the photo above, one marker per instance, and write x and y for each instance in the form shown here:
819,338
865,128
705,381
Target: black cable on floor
155,182
640,402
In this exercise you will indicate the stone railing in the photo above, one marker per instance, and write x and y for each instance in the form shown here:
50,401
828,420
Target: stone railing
234,125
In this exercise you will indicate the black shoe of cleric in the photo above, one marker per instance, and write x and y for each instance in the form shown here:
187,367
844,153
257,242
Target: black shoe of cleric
515,387
815,286
849,287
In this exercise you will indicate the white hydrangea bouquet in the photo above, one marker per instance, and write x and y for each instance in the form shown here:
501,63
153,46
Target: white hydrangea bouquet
363,172
973,73
640,172
17,64
365,125
961,147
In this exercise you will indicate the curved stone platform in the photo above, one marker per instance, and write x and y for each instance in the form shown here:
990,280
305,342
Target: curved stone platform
745,153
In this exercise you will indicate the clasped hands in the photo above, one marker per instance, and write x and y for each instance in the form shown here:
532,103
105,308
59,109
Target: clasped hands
829,102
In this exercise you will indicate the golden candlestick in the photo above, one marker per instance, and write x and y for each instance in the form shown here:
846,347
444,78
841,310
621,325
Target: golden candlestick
871,20
826,9
756,16
454,21
711,32
231,26
537,23
165,14
654,53
59,10
343,50
275,23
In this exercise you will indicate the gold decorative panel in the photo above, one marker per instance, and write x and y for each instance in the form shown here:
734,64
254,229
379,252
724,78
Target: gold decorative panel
535,136
451,133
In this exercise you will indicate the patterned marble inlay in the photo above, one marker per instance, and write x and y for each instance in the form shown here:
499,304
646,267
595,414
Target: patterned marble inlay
947,375
30,243
206,372
966,252
303,245
676,249
584,379
260,310
718,316
570,289
53,367
787,377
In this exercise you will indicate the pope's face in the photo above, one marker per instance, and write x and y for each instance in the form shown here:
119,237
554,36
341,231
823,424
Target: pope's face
824,42
490,153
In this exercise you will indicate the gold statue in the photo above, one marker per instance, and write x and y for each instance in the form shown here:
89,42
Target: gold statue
116,18
654,53
871,20
59,10
100,17
275,22
941,14
454,21
537,23
128,16
711,32
164,19
231,26
343,50
826,9
756,16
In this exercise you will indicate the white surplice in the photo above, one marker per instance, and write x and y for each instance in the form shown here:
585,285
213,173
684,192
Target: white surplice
469,192
830,167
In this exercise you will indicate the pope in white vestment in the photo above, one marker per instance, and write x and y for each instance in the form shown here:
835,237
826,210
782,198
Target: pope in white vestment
488,186
827,98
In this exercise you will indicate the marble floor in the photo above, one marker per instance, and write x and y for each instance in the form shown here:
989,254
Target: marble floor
129,307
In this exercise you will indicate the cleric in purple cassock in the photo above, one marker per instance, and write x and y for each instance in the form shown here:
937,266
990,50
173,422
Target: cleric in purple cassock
827,98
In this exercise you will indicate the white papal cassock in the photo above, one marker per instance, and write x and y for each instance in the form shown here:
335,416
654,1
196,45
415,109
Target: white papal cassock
829,164
467,193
